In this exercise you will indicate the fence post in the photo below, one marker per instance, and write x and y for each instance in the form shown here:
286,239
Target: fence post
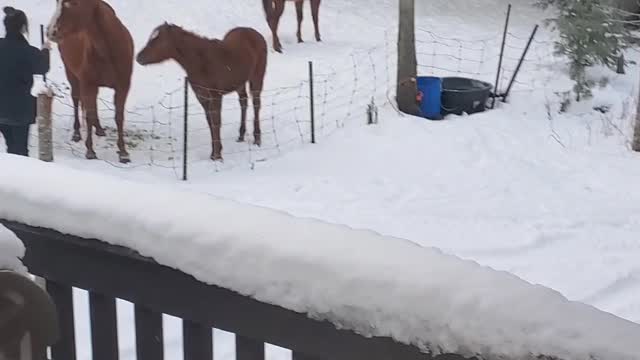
311,104
45,141
185,134
504,40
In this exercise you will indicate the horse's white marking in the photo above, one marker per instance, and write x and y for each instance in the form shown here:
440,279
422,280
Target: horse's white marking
53,24
154,35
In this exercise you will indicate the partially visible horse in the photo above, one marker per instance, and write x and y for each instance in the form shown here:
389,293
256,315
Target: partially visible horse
274,10
97,51
215,68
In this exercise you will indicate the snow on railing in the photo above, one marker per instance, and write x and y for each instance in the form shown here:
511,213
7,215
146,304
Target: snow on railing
268,261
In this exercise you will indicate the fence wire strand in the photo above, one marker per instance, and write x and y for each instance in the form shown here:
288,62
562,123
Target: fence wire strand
154,132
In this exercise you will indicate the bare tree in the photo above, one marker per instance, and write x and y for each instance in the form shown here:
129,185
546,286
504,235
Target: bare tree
406,90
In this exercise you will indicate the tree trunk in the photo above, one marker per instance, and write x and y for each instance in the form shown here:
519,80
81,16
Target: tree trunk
635,145
620,65
406,90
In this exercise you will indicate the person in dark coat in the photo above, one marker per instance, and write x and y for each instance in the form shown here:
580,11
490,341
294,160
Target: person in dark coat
19,61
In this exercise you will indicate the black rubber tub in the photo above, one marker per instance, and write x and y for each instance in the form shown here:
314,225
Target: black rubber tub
464,95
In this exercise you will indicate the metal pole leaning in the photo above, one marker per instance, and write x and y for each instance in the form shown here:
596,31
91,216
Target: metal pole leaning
515,73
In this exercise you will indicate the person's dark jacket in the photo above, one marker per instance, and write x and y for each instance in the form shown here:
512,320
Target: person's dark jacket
19,61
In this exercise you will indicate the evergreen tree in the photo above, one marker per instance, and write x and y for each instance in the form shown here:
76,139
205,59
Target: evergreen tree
590,33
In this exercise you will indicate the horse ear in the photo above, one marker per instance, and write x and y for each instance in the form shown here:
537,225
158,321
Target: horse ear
8,10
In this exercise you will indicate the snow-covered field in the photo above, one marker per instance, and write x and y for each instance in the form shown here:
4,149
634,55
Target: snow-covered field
547,196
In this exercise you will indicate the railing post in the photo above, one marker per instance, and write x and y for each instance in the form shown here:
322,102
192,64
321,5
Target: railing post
249,349
198,341
104,327
149,337
62,296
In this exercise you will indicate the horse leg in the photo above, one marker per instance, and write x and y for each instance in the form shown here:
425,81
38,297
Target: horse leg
315,11
89,102
120,99
99,129
215,121
75,97
300,15
274,22
256,90
244,103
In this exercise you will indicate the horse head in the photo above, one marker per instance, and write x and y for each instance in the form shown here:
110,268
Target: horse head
71,17
159,47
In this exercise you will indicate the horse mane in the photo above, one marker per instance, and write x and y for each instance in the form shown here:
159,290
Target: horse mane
194,36
109,6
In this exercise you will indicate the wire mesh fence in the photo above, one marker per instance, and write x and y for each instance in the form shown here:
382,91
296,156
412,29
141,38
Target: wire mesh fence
155,134
478,58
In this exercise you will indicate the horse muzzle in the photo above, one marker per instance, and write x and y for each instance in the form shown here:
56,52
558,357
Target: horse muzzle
53,34
141,60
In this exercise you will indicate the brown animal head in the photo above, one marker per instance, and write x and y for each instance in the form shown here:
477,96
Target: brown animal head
71,17
160,46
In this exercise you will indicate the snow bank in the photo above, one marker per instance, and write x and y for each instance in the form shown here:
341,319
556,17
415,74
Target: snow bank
11,250
359,280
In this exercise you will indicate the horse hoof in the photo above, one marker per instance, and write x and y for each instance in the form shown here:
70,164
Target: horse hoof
318,39
257,142
90,156
240,139
100,132
124,158
300,41
217,158
76,138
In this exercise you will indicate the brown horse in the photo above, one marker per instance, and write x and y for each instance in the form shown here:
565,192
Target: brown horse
215,68
274,10
97,51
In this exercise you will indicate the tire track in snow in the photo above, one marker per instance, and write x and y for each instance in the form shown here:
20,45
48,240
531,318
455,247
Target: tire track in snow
626,284
541,242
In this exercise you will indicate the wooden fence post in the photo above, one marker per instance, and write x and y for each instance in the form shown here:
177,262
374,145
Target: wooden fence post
45,136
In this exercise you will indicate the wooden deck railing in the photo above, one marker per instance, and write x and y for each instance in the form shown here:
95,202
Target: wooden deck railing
110,272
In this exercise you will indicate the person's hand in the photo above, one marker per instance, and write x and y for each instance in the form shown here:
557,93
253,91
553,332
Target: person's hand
46,45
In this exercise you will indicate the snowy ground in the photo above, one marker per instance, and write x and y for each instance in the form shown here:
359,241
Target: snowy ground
543,195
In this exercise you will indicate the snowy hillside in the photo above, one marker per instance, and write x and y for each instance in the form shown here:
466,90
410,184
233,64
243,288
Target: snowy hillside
547,196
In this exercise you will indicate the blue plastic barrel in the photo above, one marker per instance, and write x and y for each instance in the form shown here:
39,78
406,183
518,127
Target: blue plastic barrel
431,89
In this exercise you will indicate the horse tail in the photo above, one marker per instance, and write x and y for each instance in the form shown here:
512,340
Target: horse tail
268,8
